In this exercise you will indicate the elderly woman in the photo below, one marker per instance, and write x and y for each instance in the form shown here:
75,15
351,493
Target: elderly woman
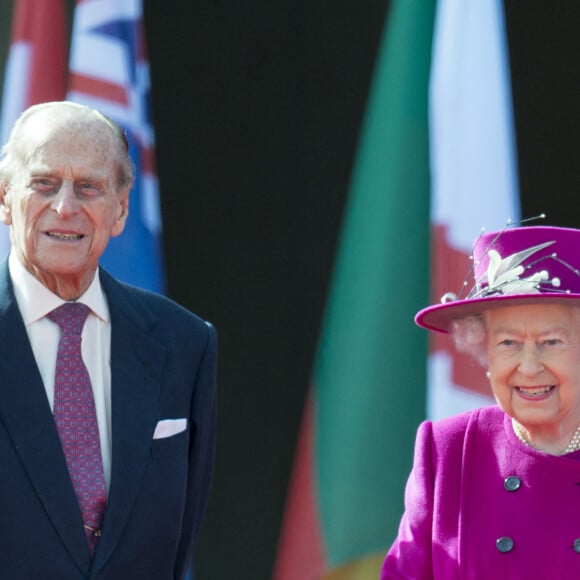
495,492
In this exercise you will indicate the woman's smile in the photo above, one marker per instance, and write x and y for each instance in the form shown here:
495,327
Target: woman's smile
535,393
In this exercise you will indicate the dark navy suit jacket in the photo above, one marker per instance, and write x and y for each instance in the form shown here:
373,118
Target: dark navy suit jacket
163,361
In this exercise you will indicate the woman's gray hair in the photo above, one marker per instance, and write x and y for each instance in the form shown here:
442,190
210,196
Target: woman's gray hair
470,336
15,152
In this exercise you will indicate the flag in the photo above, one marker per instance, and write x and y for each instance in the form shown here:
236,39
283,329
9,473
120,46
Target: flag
109,71
36,65
368,385
474,172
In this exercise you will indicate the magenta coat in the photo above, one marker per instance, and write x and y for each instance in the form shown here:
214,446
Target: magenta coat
479,504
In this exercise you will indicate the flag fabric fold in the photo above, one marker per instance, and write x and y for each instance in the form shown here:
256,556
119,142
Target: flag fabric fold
36,66
109,71
474,172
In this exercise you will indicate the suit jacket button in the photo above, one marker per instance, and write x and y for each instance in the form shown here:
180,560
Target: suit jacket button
504,544
512,483
577,545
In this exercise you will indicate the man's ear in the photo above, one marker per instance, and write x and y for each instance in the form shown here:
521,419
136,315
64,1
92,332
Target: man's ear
5,213
123,214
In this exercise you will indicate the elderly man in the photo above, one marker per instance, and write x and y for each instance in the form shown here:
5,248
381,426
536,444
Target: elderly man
107,392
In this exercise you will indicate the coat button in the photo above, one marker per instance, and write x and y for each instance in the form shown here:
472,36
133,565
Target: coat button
512,483
577,545
504,544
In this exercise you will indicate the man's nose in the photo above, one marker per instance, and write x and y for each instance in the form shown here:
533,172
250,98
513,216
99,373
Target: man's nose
65,202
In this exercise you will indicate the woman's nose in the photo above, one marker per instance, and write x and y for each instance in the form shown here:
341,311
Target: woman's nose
531,361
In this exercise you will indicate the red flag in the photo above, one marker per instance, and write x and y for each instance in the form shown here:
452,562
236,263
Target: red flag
36,65
37,61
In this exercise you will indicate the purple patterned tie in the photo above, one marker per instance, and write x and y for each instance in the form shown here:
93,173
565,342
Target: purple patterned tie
76,419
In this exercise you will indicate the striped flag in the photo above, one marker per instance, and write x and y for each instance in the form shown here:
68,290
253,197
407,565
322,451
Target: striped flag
368,385
445,112
36,66
474,172
109,71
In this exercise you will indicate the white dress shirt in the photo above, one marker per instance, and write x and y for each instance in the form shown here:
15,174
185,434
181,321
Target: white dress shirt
35,301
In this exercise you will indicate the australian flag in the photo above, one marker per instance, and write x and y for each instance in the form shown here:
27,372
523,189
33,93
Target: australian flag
109,71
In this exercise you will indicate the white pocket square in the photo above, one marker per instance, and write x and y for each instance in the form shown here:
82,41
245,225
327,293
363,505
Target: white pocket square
169,427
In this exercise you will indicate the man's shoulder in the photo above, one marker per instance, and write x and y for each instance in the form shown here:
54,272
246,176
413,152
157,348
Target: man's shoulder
148,305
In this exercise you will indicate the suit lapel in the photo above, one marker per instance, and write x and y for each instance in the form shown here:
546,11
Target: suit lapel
25,411
137,362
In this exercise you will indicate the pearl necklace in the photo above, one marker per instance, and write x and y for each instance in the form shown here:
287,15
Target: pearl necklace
574,444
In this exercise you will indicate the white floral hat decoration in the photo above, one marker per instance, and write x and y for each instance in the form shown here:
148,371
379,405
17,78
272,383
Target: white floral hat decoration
520,265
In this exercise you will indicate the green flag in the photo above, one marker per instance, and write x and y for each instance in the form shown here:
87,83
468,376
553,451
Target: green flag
368,392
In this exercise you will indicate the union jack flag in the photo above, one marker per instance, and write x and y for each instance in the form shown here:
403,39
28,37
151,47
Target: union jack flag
109,71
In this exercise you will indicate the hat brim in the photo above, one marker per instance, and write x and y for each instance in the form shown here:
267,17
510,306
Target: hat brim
439,317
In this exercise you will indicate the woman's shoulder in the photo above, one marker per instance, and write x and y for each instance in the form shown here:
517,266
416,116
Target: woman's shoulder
456,426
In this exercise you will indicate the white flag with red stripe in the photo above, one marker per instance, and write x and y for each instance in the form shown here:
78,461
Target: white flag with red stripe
474,174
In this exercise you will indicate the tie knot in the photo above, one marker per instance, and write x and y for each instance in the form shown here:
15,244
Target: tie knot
70,317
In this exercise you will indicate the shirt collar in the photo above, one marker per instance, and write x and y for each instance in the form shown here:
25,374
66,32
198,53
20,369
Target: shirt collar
35,300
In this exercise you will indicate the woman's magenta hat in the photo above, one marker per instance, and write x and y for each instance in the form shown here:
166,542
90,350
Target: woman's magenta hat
519,265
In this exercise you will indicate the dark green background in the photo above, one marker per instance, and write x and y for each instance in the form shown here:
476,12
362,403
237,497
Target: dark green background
257,109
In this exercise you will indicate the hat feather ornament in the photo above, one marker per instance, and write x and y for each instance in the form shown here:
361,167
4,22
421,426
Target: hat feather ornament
517,265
